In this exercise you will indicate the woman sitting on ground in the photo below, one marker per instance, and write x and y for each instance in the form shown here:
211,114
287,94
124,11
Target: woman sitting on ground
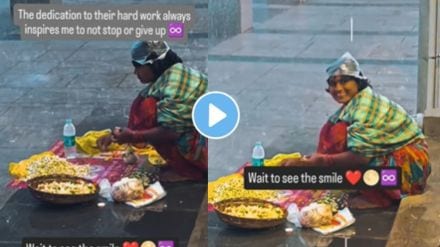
369,130
161,113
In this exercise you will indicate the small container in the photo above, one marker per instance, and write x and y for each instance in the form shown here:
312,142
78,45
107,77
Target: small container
258,154
69,133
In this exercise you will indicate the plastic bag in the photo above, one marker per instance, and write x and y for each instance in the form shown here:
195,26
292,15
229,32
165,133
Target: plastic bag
293,215
105,190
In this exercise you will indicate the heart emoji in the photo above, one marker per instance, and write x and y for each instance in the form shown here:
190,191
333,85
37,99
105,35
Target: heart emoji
128,244
353,177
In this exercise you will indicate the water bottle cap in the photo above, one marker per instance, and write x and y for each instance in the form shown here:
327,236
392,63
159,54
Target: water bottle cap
69,120
259,143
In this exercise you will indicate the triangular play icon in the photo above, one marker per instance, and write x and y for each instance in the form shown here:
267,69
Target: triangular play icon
215,115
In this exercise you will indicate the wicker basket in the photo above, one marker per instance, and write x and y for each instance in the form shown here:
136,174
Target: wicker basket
60,198
246,222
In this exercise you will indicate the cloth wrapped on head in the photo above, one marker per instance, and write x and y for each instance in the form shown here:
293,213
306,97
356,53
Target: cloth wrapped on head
345,65
147,52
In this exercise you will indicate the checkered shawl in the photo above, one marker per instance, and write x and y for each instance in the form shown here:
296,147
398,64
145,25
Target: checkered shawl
377,125
176,90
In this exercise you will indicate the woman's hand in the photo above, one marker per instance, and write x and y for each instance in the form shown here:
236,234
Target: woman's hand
104,142
123,135
344,159
154,136
293,162
315,159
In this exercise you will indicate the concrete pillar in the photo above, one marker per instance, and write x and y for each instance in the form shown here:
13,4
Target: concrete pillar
228,18
246,15
428,96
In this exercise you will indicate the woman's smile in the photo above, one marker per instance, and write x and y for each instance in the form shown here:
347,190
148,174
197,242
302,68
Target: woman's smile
342,89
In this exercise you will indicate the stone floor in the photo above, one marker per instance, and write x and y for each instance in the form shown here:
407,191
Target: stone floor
418,219
276,72
24,216
364,232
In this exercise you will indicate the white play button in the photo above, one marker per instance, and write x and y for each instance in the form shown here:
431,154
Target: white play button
215,115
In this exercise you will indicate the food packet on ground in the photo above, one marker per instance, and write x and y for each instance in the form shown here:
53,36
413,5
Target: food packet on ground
316,214
320,217
153,193
342,219
127,189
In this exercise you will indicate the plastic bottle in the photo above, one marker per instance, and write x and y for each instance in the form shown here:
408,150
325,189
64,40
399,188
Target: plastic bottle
258,155
69,133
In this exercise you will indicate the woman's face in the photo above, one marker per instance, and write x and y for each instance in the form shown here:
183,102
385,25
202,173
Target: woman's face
342,88
144,74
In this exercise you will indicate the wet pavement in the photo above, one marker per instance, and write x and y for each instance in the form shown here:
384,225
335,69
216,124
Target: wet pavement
173,217
364,232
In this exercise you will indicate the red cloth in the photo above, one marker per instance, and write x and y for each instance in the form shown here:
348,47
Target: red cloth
143,116
143,113
113,169
333,140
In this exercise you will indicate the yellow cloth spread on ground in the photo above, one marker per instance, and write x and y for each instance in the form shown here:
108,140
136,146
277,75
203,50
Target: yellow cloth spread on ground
20,170
277,159
232,186
46,163
87,142
87,145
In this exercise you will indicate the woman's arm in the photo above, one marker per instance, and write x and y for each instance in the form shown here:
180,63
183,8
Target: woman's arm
155,136
344,159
